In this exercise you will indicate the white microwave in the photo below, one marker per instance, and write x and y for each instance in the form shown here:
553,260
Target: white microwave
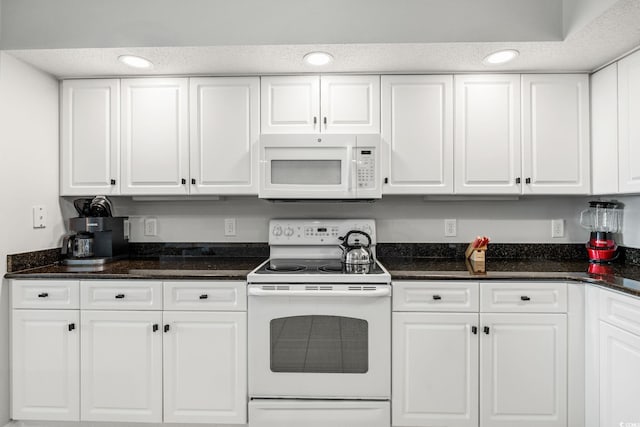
317,166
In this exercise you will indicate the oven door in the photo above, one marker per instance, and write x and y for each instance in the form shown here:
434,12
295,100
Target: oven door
320,341
307,167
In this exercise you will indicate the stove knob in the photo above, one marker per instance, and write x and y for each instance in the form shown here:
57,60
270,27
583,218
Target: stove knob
288,232
277,230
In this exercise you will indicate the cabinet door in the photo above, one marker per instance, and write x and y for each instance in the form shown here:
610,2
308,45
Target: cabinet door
45,368
435,369
604,130
205,367
417,134
290,104
225,128
619,376
555,131
121,366
628,123
350,104
90,138
523,370
155,136
487,134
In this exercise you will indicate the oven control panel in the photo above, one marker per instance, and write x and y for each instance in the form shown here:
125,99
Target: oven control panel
316,232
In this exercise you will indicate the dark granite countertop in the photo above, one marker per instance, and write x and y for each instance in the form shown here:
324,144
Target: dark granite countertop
622,277
218,268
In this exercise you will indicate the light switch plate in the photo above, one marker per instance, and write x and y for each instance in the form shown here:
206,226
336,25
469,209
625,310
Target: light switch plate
39,217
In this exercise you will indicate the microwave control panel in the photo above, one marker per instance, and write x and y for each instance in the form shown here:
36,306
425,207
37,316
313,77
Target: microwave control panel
366,168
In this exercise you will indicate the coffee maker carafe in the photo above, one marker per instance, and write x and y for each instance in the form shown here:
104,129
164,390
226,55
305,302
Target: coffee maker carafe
603,219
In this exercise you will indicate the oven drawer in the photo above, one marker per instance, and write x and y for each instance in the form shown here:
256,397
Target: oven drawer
201,295
436,296
319,413
121,295
529,297
46,294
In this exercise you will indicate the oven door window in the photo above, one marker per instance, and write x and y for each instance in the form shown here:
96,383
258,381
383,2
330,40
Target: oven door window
322,344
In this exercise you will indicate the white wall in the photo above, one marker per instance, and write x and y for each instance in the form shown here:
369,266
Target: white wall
578,13
29,176
630,220
399,219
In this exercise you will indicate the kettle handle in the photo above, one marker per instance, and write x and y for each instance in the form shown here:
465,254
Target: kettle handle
582,222
345,238
67,244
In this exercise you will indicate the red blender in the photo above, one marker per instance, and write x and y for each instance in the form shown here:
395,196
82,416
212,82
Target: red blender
603,219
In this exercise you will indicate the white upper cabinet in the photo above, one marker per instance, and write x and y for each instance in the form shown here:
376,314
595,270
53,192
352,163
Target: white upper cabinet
155,136
604,130
629,123
417,134
350,104
90,138
290,104
313,104
224,122
555,134
487,134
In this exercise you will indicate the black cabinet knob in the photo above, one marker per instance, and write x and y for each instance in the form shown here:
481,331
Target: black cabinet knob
166,328
486,330
120,296
525,298
184,181
527,181
518,180
204,296
193,181
437,297
155,327
43,295
386,180
113,182
474,330
72,326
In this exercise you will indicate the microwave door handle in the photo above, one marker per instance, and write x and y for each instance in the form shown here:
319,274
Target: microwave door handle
383,292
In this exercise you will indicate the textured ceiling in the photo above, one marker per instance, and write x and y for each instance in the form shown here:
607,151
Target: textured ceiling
605,38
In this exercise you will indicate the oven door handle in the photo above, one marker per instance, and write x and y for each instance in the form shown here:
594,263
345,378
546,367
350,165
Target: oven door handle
257,292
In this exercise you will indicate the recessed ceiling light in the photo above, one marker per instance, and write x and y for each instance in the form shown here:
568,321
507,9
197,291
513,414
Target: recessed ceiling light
501,57
318,58
135,61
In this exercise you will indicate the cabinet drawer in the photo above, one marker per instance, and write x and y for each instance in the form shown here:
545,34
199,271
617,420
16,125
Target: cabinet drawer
200,295
620,310
528,297
435,296
46,294
121,295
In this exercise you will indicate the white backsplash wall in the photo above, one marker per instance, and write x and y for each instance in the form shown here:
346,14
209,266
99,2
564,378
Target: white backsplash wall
630,235
399,218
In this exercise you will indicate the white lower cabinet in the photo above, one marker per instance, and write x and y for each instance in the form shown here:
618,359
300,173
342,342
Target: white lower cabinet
205,378
121,366
523,370
479,369
46,367
435,369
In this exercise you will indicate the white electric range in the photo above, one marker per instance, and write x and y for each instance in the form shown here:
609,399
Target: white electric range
319,335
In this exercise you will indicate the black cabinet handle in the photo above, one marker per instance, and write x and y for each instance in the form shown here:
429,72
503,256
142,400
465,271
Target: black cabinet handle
43,295
204,296
518,180
437,297
486,330
527,181
184,181
193,181
525,298
113,182
166,328
386,180
120,296
72,326
315,120
474,330
155,327
324,120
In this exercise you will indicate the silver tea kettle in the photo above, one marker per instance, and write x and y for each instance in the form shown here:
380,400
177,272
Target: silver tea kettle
356,253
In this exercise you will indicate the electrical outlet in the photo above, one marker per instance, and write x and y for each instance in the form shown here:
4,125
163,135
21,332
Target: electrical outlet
150,227
39,217
229,226
557,228
450,227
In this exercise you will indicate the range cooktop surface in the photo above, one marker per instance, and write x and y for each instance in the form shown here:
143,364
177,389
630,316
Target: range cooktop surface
313,266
